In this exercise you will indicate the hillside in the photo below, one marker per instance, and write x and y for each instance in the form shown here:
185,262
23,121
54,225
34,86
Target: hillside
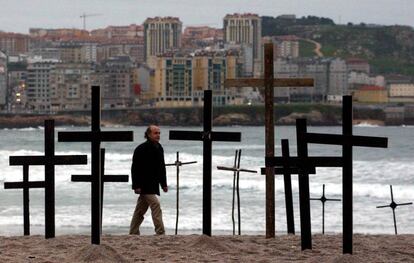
389,49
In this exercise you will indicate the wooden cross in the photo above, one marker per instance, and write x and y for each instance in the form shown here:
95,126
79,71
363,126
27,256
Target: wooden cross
394,205
305,164
95,137
177,164
269,82
25,185
287,170
49,160
347,140
323,199
236,178
105,178
207,136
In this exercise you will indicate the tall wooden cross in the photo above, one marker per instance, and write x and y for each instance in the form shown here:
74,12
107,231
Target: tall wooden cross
236,179
207,136
49,160
323,200
394,205
178,164
269,82
105,178
95,137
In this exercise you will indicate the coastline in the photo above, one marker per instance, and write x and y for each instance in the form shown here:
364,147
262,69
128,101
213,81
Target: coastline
314,119
200,248
254,115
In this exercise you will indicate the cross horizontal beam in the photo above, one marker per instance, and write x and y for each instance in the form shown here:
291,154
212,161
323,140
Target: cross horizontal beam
201,136
45,160
313,161
105,178
178,163
282,82
18,185
103,136
291,170
339,139
233,169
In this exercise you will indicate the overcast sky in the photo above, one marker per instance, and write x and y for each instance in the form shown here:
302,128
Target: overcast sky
20,15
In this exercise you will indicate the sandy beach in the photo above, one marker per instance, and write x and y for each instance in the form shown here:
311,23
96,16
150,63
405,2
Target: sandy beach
197,248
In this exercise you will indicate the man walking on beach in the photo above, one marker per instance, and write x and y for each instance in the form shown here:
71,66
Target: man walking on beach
148,172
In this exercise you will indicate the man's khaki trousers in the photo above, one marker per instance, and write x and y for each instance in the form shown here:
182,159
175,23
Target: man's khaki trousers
145,201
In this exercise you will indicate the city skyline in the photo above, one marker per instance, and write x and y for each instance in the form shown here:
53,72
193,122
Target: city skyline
66,14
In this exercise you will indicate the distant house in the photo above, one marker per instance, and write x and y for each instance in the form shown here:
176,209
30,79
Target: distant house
370,94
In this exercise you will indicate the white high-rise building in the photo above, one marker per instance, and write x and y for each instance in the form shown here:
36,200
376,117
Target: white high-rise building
245,29
161,34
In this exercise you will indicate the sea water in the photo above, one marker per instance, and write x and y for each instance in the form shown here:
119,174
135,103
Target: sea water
374,170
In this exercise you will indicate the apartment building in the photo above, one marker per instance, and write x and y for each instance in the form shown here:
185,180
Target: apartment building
245,29
329,74
117,77
38,86
14,44
161,34
70,86
179,80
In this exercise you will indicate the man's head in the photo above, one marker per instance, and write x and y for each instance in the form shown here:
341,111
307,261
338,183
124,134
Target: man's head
153,133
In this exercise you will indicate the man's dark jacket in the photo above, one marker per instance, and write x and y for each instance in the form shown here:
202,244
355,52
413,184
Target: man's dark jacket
148,168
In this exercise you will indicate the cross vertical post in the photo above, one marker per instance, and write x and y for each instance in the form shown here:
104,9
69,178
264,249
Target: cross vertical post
26,202
50,179
347,180
269,82
96,188
269,140
394,205
177,164
236,187
323,199
95,137
305,217
207,159
207,136
290,218
105,178
26,185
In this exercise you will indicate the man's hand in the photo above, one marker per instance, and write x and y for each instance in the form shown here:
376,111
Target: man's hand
137,191
165,189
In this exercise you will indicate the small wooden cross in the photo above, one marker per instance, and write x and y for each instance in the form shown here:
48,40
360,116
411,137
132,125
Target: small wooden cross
394,205
177,164
25,185
49,160
323,199
269,83
236,178
207,136
95,137
105,178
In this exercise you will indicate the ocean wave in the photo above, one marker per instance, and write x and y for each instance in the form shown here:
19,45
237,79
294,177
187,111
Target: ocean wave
366,124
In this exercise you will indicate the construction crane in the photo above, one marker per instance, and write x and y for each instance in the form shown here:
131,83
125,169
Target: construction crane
84,16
